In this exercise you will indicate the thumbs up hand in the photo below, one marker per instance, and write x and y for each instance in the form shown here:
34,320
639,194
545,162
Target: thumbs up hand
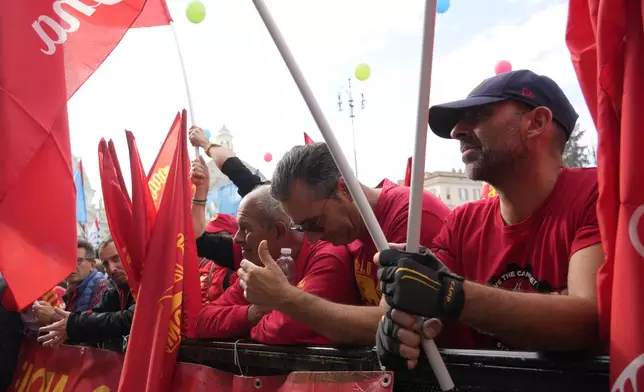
263,286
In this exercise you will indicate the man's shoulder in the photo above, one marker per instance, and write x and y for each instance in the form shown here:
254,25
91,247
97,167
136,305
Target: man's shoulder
399,195
478,207
325,250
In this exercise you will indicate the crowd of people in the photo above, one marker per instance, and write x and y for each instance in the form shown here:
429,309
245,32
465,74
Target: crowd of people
515,271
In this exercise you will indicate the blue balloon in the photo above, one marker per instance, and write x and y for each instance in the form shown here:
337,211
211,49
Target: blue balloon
442,6
207,132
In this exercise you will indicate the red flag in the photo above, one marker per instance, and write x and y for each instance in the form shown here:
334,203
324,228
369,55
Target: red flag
407,181
117,167
143,210
605,40
48,51
118,209
307,139
155,13
159,172
169,297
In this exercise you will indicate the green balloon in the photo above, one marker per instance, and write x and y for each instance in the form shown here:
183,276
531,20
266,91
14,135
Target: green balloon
196,11
363,71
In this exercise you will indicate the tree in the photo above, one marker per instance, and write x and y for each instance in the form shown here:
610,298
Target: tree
575,154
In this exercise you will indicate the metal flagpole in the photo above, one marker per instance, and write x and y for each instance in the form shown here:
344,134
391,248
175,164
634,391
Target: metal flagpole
185,79
358,195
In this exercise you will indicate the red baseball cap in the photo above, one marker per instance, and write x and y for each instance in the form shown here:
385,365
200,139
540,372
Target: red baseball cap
222,222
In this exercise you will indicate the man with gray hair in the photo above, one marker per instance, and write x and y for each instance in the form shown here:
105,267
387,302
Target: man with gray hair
320,269
313,193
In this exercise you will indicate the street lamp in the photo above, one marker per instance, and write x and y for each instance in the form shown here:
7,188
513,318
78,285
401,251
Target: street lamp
349,97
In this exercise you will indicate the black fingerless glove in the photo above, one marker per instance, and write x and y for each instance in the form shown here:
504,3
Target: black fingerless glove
387,344
419,283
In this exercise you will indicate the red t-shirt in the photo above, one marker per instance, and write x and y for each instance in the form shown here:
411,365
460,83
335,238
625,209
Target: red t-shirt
391,212
321,269
530,256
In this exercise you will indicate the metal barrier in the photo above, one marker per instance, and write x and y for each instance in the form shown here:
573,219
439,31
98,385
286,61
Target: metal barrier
472,370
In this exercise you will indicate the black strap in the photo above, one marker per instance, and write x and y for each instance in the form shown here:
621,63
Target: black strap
229,273
212,268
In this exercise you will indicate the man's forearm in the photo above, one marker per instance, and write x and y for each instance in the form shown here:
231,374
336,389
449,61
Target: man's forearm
343,324
198,212
531,320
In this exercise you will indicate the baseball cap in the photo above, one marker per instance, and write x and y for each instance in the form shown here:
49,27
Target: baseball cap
222,222
522,86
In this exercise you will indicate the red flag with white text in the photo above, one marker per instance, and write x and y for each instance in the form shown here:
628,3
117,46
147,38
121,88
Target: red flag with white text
605,42
48,51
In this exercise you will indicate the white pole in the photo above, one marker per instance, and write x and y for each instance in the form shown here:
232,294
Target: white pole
185,79
352,182
418,173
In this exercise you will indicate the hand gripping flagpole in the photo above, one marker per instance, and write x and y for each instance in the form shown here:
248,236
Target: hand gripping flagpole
366,212
418,173
185,79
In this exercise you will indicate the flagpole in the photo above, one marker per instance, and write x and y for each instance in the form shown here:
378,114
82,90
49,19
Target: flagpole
185,79
431,351
418,172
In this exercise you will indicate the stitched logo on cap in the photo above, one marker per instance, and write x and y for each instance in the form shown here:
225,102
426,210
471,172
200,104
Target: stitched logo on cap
527,93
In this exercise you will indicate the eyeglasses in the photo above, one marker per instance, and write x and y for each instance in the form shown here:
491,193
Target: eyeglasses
306,227
81,259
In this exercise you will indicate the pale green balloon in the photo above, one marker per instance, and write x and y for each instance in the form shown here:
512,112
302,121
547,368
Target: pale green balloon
363,71
196,11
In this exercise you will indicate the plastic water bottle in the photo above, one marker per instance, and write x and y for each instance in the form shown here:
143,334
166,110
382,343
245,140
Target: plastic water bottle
286,263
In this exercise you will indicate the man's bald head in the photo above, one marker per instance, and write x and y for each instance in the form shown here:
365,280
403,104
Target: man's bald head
265,207
260,218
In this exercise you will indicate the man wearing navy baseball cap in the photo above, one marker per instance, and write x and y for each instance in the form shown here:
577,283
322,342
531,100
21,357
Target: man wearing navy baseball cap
489,268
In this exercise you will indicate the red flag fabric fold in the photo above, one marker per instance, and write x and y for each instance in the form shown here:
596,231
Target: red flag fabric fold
143,210
605,42
158,173
118,210
169,295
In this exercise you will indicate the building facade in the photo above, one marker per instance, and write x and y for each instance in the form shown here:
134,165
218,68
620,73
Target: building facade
453,187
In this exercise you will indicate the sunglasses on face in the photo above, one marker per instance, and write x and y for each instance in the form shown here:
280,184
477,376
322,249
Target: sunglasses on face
309,227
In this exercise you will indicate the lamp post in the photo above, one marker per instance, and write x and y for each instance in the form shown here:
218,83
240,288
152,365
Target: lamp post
347,93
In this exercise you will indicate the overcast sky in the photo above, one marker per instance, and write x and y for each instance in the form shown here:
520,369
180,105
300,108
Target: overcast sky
238,78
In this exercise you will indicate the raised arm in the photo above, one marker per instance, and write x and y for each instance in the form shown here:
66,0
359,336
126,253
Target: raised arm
226,161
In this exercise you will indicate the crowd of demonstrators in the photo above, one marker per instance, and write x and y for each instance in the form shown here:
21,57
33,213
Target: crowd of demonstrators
105,325
320,269
514,271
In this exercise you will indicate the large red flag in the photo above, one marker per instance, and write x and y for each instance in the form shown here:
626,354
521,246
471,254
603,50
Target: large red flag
159,171
118,209
169,297
605,41
48,50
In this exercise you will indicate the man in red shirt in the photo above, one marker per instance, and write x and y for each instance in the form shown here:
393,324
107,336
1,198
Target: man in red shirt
312,191
321,269
214,278
496,258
